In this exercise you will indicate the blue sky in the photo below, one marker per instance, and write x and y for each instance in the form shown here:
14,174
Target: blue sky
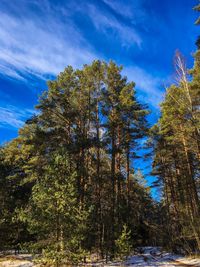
38,38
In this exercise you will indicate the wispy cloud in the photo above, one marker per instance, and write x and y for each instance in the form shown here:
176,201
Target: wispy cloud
11,116
106,22
147,83
41,39
129,9
39,45
10,71
120,7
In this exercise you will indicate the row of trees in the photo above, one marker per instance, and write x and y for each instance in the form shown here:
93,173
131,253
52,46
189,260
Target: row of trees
70,173
68,182
176,140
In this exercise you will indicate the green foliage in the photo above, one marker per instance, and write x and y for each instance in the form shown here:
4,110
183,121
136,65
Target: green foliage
53,213
68,184
72,167
123,243
177,155
197,8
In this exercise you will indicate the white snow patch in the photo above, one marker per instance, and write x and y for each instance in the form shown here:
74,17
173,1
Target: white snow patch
153,257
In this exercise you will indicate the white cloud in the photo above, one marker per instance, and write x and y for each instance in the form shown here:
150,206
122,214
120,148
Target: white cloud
104,22
121,8
147,83
44,42
130,9
45,45
10,71
14,117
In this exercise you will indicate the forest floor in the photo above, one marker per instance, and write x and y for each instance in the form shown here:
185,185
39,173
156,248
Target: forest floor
148,257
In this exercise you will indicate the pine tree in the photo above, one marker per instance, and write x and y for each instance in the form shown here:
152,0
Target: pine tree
123,243
78,154
54,214
176,158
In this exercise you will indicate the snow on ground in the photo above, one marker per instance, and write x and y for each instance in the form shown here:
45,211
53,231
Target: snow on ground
145,257
16,263
21,260
154,257
190,261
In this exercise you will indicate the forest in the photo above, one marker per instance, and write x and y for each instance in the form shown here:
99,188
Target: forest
69,187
